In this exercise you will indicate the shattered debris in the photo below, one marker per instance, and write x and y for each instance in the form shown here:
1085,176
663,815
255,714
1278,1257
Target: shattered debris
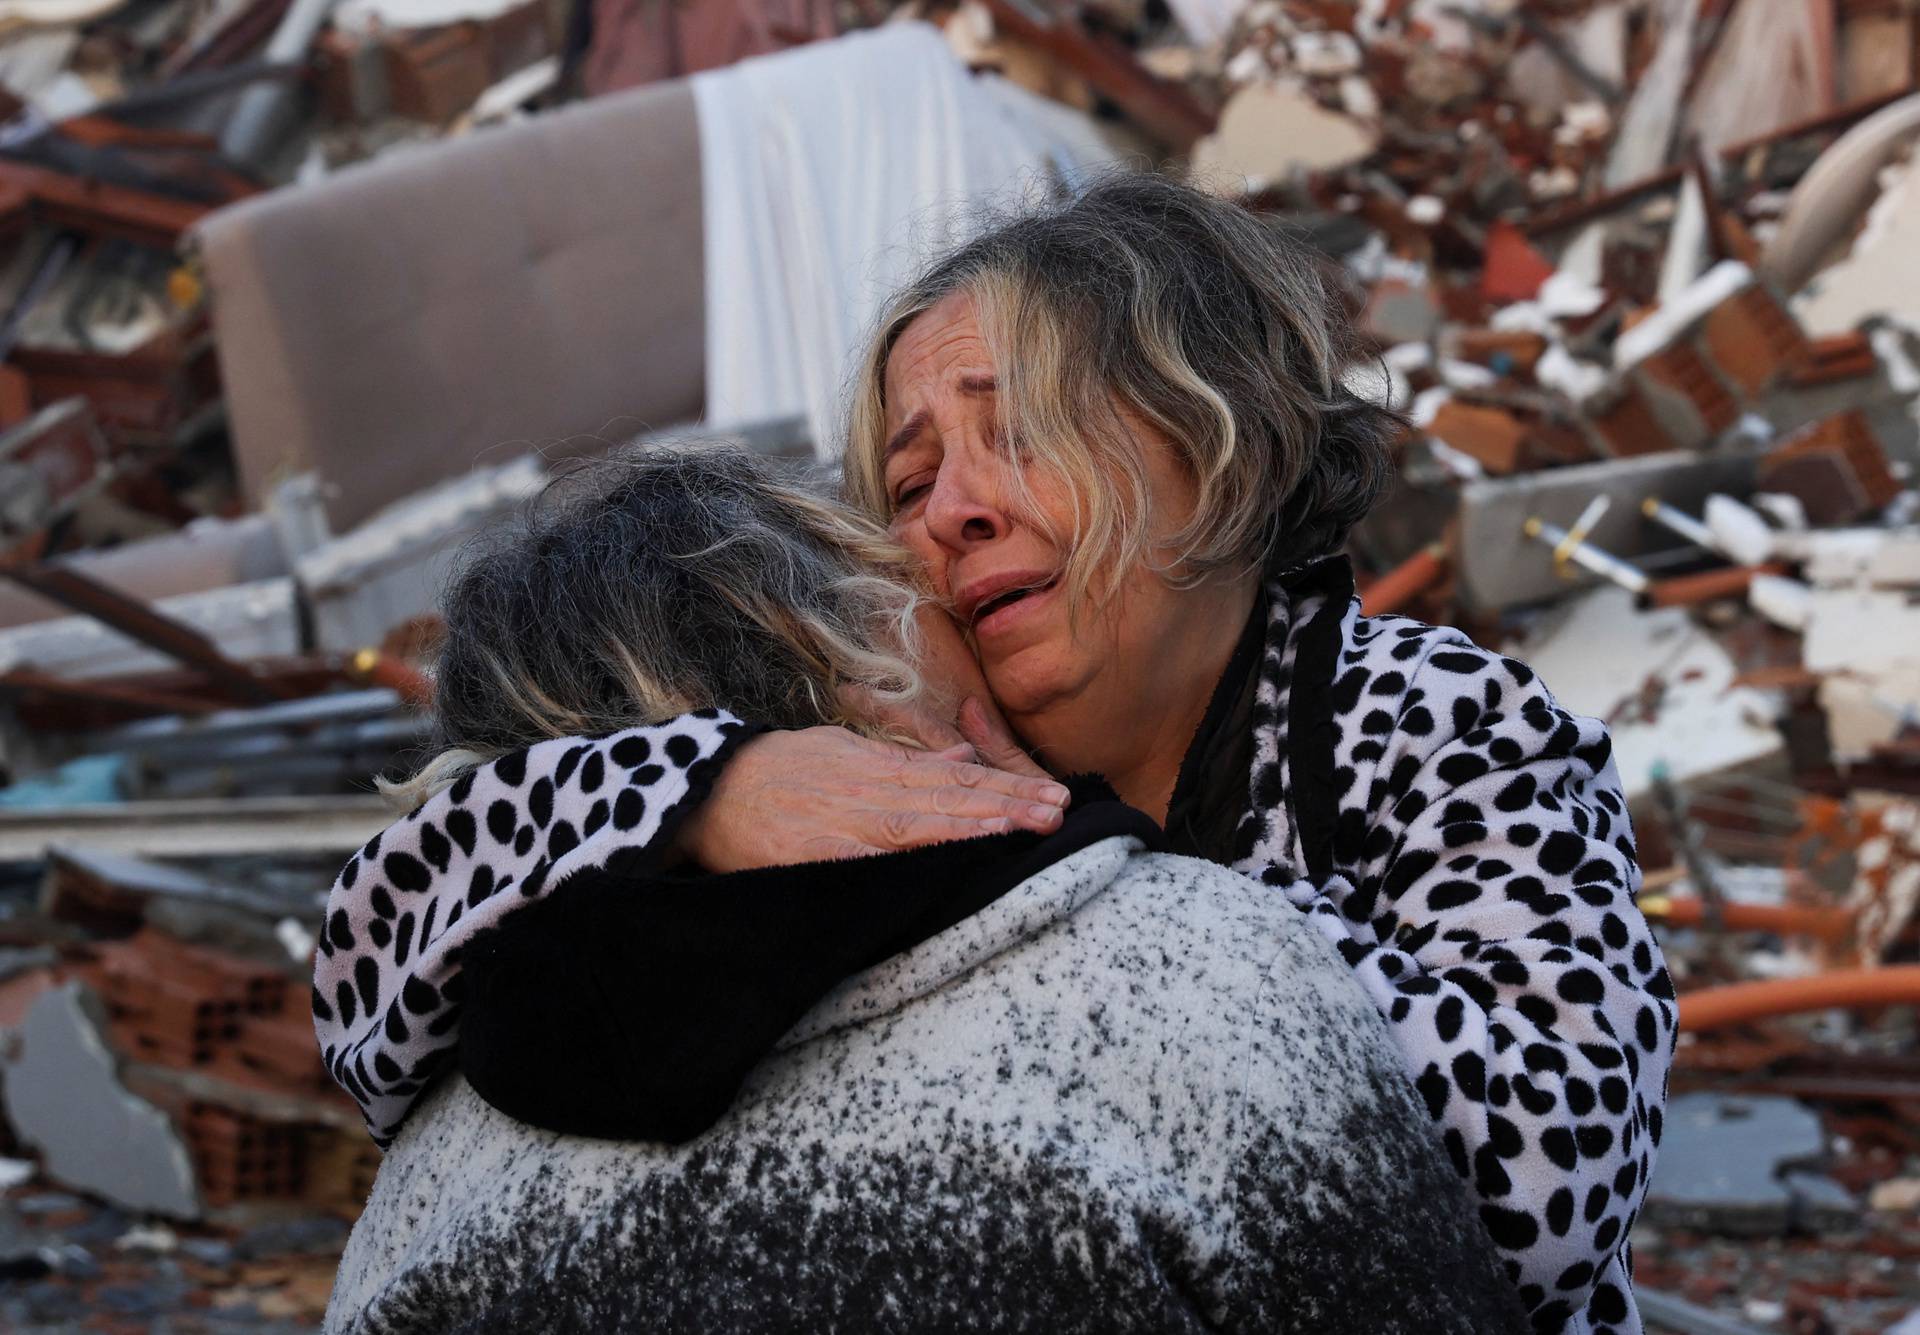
299,296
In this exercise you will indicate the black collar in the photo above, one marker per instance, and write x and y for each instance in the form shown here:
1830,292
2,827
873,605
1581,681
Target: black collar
1210,795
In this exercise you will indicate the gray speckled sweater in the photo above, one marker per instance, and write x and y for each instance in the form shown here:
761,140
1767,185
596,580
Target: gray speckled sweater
1137,1092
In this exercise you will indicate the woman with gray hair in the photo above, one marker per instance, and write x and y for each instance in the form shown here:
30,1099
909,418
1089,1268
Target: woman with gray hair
1013,1082
1116,437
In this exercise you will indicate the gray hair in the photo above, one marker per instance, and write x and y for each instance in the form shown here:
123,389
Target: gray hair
648,585
1211,324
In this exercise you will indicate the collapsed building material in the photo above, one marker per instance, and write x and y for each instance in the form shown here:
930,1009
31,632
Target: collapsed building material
207,554
245,622
252,1147
48,463
1664,686
1835,191
1730,1164
1491,436
63,1097
137,621
633,44
1827,924
1570,547
263,113
1885,895
1501,567
1707,586
389,569
1270,132
332,731
110,895
1163,109
226,827
1408,580
1835,468
1699,359
1667,1312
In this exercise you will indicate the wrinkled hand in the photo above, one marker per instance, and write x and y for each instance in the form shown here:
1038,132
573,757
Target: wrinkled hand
982,735
826,793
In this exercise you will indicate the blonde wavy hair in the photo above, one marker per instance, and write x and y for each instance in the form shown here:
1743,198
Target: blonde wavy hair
1148,300
664,581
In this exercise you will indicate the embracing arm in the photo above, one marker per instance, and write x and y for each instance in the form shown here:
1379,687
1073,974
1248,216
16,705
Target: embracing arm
634,1010
387,984
1487,904
388,980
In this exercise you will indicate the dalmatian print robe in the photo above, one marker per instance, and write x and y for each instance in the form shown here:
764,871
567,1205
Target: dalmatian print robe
1459,838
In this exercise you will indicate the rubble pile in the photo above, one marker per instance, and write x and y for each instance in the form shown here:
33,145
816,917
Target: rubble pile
1640,275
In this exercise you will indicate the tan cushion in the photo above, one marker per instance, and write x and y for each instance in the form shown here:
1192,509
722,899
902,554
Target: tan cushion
397,323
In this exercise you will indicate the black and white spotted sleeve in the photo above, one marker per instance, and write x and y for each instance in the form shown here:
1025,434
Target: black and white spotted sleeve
387,982
1484,894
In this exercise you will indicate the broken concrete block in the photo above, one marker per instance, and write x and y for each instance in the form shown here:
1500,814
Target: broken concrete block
1835,468
1664,685
1864,713
1492,437
1787,603
1724,1165
1269,131
1877,556
1864,631
64,1098
1820,1205
1900,1193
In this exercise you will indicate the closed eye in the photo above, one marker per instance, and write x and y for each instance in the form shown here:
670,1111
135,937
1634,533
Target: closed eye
908,494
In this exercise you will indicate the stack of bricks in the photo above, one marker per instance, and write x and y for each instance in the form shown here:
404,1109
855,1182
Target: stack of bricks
279,1050
239,1157
287,1132
1836,357
1835,468
180,1005
1719,364
1682,385
341,1165
433,74
1752,340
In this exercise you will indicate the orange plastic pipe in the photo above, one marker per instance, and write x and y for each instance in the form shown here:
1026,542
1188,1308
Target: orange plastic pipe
1825,924
1405,582
1841,989
1705,587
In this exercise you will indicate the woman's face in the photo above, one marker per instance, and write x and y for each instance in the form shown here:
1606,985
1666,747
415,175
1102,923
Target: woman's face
949,484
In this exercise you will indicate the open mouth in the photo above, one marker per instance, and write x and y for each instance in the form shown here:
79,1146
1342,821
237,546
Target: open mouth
1001,601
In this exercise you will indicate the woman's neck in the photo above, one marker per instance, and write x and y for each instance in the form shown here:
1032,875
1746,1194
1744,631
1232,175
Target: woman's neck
1135,726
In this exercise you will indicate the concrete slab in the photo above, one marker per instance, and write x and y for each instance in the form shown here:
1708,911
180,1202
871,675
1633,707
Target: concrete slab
64,1098
1724,1168
1598,653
